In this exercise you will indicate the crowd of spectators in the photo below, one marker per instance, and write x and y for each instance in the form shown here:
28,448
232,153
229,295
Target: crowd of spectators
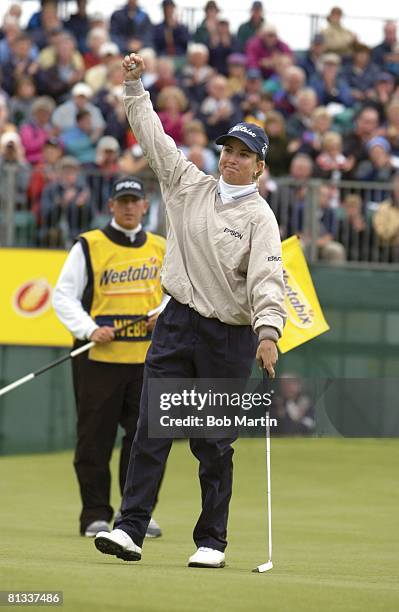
331,113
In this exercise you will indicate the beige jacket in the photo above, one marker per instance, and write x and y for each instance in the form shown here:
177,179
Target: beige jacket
222,260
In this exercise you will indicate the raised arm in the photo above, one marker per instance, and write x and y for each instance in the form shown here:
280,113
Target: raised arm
173,170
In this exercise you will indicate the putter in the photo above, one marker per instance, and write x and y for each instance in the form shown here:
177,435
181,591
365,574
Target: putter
268,565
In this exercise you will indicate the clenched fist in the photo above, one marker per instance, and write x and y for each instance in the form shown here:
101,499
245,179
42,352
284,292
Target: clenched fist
133,66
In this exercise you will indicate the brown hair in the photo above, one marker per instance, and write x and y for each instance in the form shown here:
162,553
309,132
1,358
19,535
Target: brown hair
172,91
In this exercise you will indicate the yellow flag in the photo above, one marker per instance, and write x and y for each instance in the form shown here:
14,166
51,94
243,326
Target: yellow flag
305,316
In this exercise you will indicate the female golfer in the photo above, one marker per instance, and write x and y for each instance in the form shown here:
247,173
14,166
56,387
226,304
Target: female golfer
223,271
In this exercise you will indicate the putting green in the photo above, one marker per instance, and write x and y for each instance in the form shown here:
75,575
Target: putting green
335,529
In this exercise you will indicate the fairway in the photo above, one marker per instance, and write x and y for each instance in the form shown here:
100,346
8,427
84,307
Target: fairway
335,533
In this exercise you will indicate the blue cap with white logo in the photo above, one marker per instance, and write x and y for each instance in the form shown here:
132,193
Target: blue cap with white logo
250,134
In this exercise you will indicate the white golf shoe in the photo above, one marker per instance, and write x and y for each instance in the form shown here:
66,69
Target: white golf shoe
118,543
207,557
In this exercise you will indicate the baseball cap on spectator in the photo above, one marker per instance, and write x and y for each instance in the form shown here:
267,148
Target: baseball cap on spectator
10,138
237,59
223,19
108,48
254,73
81,89
379,141
97,16
108,143
384,77
256,5
197,48
127,185
68,162
251,135
165,3
269,28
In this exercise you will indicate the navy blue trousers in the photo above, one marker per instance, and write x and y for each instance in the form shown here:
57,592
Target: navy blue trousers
187,345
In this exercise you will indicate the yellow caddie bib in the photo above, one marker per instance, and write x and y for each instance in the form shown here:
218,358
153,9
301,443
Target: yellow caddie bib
125,284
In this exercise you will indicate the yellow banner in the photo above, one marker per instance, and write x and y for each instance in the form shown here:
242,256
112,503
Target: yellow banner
305,316
30,275
26,314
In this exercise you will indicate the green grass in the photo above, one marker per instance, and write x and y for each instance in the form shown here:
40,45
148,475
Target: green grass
335,529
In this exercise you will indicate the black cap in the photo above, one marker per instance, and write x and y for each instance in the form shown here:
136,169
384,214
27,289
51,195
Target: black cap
250,134
127,185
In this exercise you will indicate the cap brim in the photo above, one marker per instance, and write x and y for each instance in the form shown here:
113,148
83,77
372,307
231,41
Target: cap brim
222,139
132,192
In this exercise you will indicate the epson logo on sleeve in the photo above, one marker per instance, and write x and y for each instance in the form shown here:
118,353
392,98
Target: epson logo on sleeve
128,185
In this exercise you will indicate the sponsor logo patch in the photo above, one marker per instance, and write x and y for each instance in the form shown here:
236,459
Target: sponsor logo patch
234,233
32,298
130,274
242,128
128,185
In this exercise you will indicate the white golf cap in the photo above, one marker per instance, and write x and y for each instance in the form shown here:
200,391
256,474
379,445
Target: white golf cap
269,27
81,89
97,16
108,48
8,138
108,143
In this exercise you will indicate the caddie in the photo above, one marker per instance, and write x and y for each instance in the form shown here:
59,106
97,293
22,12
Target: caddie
110,276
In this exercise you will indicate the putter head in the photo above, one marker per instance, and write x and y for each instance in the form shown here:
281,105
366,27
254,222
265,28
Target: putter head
263,568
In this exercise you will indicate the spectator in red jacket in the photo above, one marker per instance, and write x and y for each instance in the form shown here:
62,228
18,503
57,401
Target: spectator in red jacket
171,104
44,172
263,49
95,39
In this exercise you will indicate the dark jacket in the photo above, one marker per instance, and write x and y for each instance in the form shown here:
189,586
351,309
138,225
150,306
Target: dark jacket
341,93
125,26
179,39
